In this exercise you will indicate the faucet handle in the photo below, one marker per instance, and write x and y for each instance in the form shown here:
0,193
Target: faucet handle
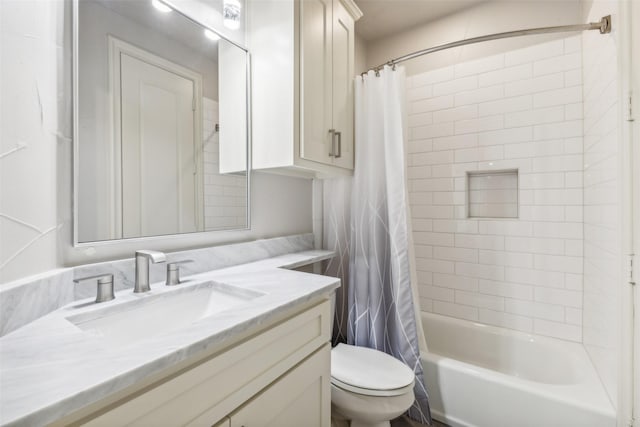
173,272
105,286
153,256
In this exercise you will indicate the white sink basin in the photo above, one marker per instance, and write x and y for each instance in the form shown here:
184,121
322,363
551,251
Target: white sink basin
152,315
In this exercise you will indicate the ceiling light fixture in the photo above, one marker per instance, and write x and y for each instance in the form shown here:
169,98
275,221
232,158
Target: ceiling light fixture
160,6
231,10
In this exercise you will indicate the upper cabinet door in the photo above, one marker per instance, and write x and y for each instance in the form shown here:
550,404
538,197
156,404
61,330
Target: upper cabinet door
343,74
315,80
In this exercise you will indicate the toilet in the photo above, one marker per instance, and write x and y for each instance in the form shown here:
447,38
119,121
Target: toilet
369,387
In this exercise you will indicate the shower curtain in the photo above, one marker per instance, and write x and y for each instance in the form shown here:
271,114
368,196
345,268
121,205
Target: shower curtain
378,292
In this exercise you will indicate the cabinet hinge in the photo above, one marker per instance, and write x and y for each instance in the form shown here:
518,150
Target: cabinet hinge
630,117
632,279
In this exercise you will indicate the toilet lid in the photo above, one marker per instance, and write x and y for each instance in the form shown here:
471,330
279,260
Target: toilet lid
370,370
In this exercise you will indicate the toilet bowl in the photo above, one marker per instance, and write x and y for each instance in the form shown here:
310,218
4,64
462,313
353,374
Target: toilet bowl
369,387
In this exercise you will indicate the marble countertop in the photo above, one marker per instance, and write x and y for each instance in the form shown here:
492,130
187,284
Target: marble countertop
50,368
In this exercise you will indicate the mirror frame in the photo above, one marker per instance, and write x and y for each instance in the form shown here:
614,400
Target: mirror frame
75,132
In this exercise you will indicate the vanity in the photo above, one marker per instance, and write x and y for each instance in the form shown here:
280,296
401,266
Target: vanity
260,357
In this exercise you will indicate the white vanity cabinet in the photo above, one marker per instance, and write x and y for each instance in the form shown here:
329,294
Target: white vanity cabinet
278,375
302,55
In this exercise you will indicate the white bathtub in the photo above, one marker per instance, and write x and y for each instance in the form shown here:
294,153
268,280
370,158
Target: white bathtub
483,376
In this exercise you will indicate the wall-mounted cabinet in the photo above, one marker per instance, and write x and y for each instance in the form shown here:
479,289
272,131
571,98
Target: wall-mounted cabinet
302,54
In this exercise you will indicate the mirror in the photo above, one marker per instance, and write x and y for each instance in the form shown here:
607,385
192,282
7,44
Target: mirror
160,123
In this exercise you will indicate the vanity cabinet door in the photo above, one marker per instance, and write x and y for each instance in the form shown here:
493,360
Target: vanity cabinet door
301,397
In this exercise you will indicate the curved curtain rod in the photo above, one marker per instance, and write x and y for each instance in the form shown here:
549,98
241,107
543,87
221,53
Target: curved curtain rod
604,26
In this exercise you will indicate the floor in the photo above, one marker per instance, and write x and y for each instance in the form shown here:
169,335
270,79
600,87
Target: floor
398,422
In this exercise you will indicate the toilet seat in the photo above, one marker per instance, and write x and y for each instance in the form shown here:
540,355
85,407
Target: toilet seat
369,372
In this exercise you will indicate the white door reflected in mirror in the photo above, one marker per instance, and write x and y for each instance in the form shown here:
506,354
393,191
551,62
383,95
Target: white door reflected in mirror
160,124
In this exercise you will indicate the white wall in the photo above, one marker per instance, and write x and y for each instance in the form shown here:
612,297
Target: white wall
30,52
603,280
486,18
518,110
36,181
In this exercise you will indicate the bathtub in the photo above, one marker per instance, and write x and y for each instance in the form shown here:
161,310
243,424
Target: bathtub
483,376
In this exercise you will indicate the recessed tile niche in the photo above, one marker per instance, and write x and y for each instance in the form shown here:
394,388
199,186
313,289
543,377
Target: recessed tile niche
492,194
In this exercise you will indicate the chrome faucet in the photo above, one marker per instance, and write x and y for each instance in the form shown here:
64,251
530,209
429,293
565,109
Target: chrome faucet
142,268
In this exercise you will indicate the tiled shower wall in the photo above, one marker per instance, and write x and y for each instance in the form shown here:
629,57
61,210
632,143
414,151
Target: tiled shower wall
518,110
602,201
225,196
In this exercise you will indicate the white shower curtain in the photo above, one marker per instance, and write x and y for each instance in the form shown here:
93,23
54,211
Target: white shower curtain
381,308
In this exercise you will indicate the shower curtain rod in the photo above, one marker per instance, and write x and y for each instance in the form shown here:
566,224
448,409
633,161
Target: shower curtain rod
604,25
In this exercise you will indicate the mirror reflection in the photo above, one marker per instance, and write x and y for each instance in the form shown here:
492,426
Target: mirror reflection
161,123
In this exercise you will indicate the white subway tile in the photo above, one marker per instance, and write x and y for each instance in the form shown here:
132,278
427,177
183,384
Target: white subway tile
426,304
418,93
468,155
506,105
437,293
479,241
573,248
573,145
573,316
534,277
565,197
506,136
559,230
455,310
455,254
535,309
566,129
455,226
418,172
506,320
432,158
455,142
565,264
479,125
424,278
419,146
433,76
422,225
437,266
509,259
455,86
421,198
512,228
431,104
505,289
479,95
518,72
542,213
573,78
431,131
542,180
535,117
491,272
573,214
558,330
421,119
535,52
479,300
573,44
535,85
452,281
479,65
455,114
428,238
553,65
566,163
433,184
449,198
569,95
433,212
558,296
573,179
